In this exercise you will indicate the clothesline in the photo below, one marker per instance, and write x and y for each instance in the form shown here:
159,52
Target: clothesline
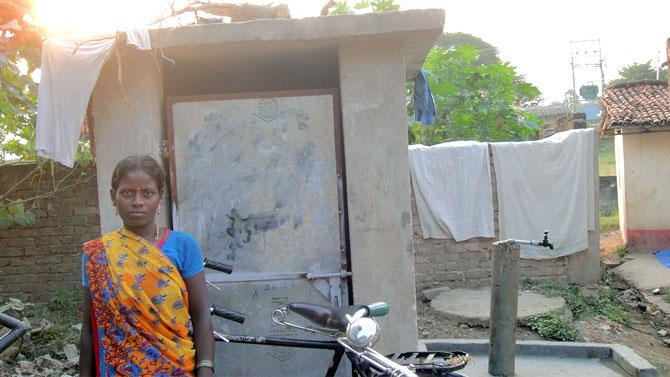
545,184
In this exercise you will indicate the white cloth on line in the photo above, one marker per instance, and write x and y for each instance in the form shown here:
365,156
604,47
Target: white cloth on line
547,185
452,188
69,72
139,38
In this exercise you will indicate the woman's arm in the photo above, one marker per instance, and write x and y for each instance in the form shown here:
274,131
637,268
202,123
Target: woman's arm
202,322
86,358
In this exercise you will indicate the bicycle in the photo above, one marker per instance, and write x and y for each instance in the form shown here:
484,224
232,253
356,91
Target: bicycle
353,331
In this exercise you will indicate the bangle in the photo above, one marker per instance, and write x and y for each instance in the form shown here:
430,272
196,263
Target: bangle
205,363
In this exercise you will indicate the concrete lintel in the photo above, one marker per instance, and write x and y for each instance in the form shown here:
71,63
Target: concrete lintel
413,30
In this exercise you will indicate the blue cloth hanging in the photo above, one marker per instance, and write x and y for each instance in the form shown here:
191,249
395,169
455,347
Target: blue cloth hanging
663,257
424,105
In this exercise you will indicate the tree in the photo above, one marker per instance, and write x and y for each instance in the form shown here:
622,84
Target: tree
475,101
488,54
20,48
638,71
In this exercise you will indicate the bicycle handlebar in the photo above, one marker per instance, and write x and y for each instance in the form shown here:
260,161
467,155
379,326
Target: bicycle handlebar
227,314
222,267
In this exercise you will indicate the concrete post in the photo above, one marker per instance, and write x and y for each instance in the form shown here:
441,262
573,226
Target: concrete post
504,300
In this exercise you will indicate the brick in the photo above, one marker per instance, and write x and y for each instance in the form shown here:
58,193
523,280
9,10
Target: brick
20,242
86,211
11,252
65,267
50,259
36,251
477,274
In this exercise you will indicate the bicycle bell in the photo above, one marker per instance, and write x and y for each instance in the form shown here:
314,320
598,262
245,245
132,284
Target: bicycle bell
363,332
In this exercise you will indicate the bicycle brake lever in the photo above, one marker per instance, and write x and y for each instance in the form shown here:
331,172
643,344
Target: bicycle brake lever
216,334
212,285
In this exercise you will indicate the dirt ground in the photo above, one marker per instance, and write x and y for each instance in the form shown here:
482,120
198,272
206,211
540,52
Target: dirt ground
641,333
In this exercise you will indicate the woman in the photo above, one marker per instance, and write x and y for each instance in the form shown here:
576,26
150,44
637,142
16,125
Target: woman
146,311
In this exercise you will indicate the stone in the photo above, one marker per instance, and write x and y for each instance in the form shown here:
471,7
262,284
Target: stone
71,352
430,294
26,366
46,361
666,342
662,332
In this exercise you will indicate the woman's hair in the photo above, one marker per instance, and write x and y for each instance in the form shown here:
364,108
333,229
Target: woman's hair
138,162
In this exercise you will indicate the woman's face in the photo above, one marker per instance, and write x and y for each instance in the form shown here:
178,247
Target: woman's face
137,199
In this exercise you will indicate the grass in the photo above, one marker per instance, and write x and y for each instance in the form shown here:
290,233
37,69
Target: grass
606,160
609,221
622,250
552,327
62,311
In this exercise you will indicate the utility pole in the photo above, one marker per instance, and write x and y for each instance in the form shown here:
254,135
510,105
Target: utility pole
585,54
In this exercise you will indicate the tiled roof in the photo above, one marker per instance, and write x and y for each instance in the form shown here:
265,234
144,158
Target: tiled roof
640,104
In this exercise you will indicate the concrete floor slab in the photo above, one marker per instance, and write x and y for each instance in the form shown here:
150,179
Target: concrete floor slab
644,272
473,306
545,359
537,366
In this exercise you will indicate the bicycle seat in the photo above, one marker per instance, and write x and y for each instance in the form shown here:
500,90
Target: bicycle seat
324,316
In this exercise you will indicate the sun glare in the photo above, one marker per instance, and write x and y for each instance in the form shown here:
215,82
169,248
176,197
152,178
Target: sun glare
95,17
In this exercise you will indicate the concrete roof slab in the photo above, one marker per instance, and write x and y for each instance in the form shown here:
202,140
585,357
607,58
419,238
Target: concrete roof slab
414,31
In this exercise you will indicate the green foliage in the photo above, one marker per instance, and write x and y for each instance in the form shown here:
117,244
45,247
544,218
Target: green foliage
553,326
342,7
605,303
18,107
475,101
63,304
56,318
606,158
622,250
51,341
15,213
488,54
609,221
639,71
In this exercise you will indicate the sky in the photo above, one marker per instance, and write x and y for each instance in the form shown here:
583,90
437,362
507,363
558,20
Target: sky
534,36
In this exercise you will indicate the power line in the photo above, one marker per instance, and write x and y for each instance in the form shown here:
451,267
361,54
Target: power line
585,54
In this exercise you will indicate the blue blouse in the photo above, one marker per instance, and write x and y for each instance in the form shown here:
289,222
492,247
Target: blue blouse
182,250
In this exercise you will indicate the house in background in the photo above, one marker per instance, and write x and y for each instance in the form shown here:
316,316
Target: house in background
638,114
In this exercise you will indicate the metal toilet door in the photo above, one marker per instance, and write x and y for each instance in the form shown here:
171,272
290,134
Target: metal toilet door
255,180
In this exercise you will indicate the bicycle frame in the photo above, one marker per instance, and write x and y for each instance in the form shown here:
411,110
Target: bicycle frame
16,327
294,343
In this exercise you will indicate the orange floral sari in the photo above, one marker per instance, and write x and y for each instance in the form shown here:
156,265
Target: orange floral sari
139,309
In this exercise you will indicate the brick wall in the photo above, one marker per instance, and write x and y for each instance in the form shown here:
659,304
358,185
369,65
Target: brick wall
467,264
38,259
